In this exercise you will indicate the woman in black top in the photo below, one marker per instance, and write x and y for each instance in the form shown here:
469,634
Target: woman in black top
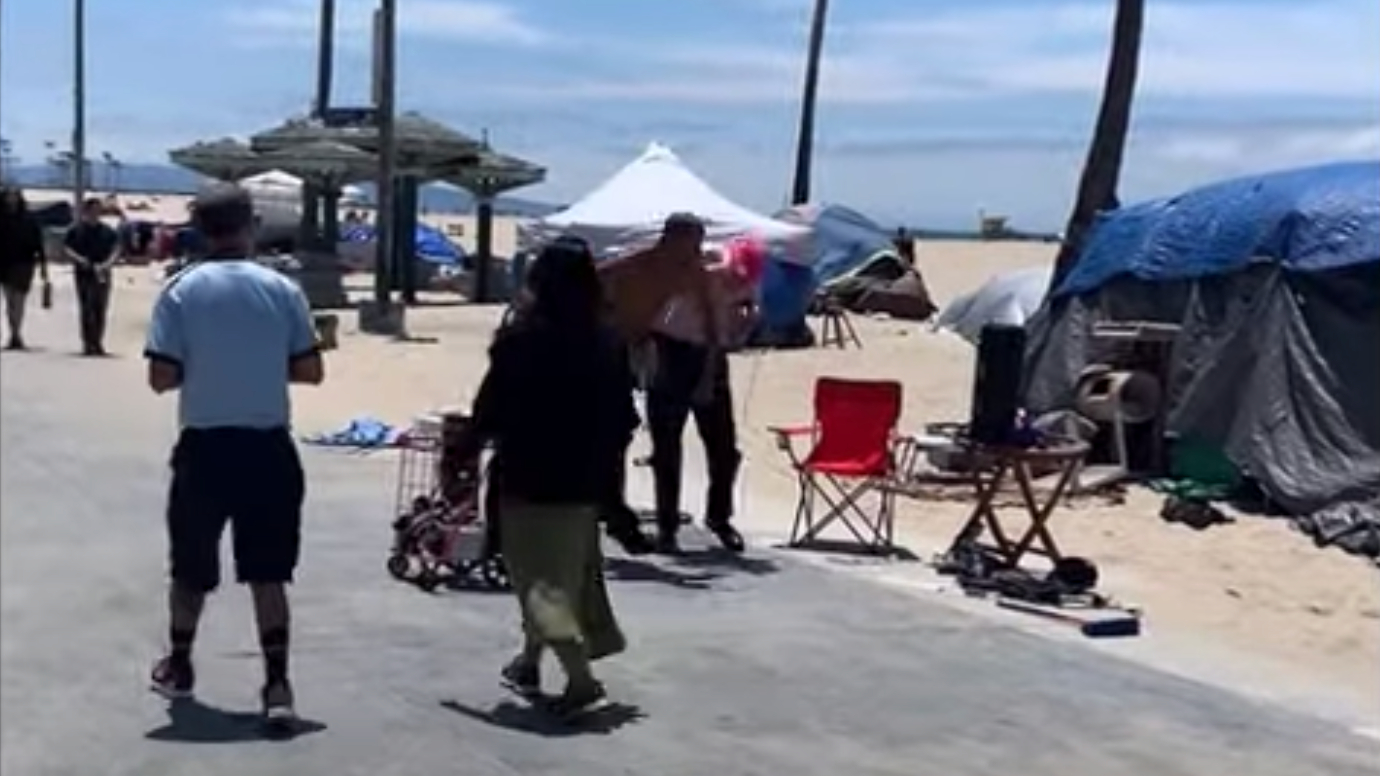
21,255
557,406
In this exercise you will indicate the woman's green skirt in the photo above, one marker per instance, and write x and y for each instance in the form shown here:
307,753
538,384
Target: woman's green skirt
557,569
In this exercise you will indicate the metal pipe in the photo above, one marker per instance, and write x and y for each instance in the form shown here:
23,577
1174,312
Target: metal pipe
78,102
805,143
385,92
325,58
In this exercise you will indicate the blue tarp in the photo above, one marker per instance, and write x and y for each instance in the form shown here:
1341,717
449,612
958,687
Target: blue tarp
841,240
432,244
1306,220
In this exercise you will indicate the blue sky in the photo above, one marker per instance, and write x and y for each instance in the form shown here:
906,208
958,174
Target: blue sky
931,109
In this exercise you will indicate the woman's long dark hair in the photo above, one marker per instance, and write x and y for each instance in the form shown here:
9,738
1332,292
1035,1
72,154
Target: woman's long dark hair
565,286
19,211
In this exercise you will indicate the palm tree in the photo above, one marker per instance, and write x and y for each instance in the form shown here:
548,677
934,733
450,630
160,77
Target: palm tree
805,141
7,158
108,163
1102,168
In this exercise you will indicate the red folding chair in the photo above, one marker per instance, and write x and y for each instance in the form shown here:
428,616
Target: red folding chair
852,454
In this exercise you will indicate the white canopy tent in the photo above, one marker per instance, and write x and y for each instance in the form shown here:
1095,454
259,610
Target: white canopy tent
628,209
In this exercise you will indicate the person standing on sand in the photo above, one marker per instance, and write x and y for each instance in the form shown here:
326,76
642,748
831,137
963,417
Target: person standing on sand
21,255
92,247
557,405
230,335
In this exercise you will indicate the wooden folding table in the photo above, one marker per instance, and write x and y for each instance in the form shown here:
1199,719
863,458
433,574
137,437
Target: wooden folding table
985,529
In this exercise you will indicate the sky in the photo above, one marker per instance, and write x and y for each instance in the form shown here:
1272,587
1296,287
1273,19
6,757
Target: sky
930,110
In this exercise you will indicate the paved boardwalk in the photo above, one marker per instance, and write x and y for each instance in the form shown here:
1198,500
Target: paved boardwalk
764,667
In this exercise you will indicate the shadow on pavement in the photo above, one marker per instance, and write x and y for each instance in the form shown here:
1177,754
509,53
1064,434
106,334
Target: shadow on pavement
193,722
719,559
523,718
631,570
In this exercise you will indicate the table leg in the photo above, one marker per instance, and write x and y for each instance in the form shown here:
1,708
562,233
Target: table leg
1041,513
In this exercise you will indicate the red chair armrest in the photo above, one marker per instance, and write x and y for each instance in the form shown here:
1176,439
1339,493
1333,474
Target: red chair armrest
785,435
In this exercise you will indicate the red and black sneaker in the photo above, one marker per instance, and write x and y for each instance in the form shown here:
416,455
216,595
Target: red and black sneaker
173,678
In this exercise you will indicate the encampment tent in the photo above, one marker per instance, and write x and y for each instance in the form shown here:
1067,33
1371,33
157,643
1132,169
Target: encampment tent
628,209
1275,280
1010,298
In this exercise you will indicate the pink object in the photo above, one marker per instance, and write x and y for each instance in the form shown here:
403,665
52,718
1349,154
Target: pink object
746,257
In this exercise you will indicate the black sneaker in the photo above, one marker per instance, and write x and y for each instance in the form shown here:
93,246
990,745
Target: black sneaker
15,343
521,678
727,535
279,714
573,704
173,678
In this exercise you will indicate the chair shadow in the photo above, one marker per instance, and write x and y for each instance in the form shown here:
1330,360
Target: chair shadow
523,718
192,722
632,570
852,550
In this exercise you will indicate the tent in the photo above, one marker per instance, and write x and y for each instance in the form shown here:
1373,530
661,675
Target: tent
433,247
627,209
1275,281
1010,298
846,251
274,185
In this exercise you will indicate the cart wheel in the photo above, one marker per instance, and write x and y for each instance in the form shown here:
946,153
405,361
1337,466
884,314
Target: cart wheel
398,566
495,574
428,582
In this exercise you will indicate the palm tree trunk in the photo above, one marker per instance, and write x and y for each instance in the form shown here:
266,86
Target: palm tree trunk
805,143
1102,169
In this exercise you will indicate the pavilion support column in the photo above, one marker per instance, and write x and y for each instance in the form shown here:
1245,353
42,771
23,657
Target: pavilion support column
309,226
483,247
405,260
330,217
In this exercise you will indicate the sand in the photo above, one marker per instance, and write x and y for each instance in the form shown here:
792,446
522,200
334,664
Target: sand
1255,591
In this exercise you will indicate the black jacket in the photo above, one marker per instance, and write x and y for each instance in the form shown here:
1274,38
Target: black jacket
557,404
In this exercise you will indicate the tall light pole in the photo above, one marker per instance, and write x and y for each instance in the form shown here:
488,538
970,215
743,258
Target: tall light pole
78,102
805,143
325,57
385,78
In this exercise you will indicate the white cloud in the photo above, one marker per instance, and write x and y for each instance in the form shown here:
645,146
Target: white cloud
277,22
1223,49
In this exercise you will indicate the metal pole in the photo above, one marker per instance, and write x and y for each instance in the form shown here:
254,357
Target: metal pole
325,58
386,23
78,102
805,143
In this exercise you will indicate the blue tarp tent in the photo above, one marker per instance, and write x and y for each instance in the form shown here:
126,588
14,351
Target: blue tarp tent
1274,281
433,246
841,242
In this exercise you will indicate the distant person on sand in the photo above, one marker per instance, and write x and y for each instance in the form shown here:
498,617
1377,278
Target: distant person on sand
92,246
691,350
230,334
21,257
557,405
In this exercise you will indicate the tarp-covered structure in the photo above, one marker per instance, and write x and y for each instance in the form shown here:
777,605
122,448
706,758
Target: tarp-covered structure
845,251
627,210
1010,298
1275,281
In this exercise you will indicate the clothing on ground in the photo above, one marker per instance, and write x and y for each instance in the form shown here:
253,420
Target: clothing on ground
553,558
234,327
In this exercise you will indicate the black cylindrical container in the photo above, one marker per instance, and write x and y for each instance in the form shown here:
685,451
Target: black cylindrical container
997,383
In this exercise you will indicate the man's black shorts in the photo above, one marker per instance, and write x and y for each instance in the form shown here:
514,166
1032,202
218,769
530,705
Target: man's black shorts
250,478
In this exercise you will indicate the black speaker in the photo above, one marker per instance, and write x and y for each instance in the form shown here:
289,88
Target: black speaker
997,383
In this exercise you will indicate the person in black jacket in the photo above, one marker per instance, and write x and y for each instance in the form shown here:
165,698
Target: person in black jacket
21,257
557,406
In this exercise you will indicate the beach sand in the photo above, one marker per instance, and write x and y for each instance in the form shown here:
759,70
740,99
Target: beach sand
1254,591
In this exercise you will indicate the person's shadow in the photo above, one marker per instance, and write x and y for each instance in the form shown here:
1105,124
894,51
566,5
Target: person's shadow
192,722
527,718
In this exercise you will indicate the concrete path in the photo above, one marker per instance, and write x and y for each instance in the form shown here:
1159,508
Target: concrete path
764,666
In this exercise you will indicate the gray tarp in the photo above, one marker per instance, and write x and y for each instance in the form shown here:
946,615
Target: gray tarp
1280,369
